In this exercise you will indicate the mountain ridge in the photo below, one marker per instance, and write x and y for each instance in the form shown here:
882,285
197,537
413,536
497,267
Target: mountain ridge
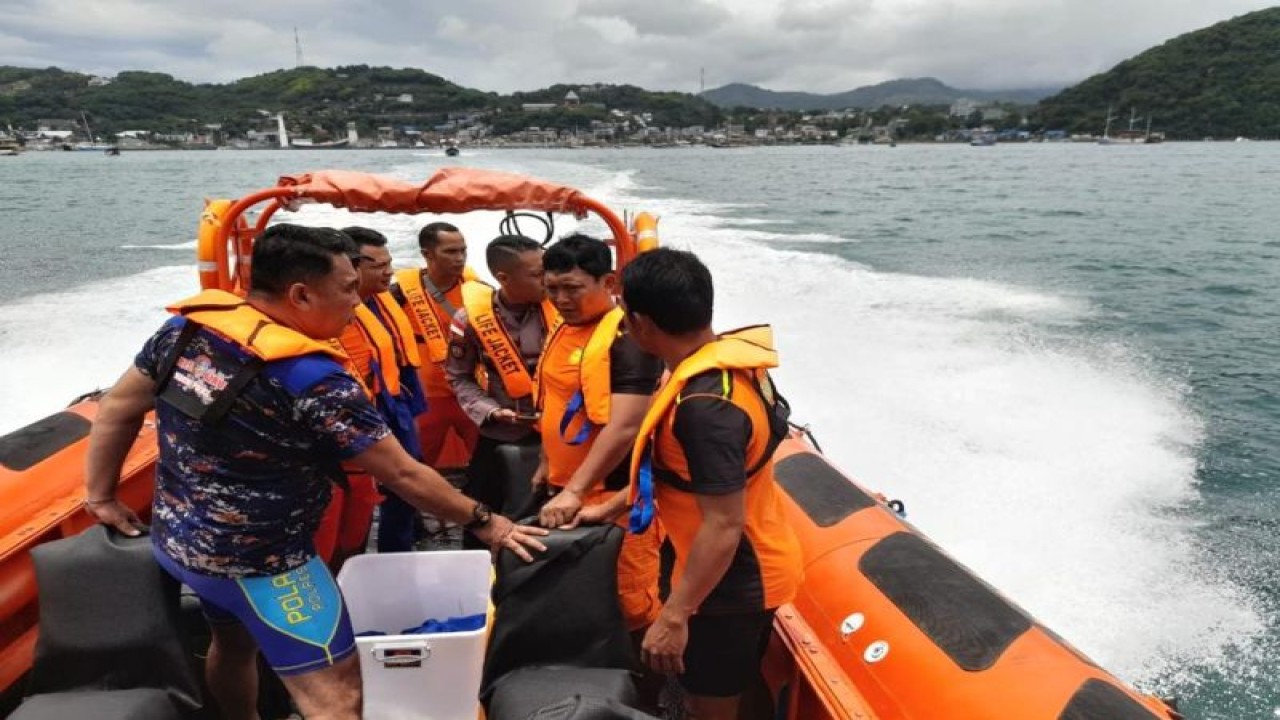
903,91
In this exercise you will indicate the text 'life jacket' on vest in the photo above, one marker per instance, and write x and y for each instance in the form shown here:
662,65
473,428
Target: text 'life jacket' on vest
498,345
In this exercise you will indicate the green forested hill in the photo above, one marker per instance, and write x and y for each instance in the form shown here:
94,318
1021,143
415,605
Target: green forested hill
669,109
325,97
1222,81
313,98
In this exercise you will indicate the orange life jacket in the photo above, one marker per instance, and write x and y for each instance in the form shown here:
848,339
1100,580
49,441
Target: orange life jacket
742,357
236,320
497,342
573,391
430,320
392,345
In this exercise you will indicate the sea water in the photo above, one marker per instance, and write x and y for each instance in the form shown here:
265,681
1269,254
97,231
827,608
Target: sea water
1065,359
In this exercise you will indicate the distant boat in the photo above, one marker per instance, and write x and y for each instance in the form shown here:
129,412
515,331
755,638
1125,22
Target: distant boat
9,147
1131,136
983,140
452,151
307,144
92,144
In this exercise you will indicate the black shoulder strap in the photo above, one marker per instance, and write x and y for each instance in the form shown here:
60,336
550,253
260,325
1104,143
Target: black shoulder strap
214,412
165,371
438,296
222,405
779,412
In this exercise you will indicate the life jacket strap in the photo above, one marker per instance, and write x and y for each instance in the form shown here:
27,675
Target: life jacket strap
221,406
779,412
576,406
214,412
642,509
165,371
438,296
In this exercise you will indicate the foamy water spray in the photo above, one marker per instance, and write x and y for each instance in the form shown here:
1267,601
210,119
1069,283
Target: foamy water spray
1049,468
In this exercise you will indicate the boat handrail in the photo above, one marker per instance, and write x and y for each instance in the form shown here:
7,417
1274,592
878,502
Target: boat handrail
442,193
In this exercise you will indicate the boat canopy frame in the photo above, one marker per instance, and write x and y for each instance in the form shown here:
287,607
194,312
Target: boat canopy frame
450,190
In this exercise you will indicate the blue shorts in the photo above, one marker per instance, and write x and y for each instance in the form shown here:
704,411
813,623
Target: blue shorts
297,617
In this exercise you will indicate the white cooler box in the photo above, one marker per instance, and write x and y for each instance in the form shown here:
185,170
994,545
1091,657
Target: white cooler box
428,677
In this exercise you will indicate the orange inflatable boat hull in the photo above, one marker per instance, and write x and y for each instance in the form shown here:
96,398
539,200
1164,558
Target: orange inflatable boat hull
886,625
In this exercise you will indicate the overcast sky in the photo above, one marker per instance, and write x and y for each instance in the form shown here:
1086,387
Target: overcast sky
505,45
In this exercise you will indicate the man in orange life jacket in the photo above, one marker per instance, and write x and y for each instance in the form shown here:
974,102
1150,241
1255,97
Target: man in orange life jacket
594,386
703,462
379,341
500,334
254,410
430,297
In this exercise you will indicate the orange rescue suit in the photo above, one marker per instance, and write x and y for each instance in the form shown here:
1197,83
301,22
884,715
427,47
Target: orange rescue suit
575,359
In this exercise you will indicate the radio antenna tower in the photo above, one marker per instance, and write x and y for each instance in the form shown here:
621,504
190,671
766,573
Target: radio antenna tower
297,45
702,80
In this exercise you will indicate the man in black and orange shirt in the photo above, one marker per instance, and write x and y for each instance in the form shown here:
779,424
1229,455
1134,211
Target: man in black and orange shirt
594,386
703,464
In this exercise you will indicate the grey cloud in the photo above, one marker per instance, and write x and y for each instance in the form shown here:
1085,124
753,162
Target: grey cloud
822,16
679,18
497,45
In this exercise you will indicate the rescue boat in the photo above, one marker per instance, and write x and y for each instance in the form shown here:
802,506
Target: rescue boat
886,624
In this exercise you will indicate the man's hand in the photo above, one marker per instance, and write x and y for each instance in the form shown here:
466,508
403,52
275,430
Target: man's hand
561,509
539,479
501,533
600,513
591,515
503,416
115,430
664,643
116,514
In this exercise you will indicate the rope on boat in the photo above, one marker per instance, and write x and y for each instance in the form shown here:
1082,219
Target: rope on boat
510,225
808,434
897,506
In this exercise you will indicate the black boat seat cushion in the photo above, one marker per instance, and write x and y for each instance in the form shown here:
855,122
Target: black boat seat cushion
585,707
550,691
109,620
560,609
517,463
136,704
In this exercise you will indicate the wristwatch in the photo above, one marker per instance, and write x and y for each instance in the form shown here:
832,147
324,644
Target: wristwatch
481,514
